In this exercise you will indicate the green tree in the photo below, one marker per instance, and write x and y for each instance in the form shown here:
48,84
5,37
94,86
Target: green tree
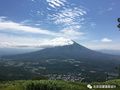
118,69
119,23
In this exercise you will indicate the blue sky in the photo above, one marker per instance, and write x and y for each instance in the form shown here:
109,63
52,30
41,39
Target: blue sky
40,23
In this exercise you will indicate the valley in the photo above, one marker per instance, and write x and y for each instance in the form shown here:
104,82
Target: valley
52,69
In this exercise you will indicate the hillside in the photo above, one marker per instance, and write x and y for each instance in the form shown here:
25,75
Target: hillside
53,85
73,51
88,58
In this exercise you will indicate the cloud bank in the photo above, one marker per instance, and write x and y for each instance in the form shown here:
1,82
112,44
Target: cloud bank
13,26
59,38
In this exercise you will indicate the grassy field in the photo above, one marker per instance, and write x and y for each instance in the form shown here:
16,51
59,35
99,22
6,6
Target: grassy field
54,85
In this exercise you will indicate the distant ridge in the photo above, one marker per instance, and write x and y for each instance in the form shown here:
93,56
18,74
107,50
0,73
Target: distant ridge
74,51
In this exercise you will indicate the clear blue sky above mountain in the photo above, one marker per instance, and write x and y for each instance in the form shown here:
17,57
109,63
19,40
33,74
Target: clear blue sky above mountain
91,23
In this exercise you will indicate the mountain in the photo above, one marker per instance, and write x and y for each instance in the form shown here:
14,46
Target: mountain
73,51
67,59
14,51
112,52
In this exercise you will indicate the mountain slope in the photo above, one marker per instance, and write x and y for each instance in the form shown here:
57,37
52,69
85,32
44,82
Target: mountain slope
55,85
72,58
73,51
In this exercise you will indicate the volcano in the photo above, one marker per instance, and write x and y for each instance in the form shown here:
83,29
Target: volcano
72,51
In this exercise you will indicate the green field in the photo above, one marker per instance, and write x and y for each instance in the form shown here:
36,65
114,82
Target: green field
53,85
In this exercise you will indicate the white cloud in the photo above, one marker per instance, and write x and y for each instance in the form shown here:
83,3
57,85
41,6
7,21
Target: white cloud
50,38
2,18
33,0
68,16
56,3
71,33
58,38
71,19
11,41
104,43
13,26
106,40
100,46
61,41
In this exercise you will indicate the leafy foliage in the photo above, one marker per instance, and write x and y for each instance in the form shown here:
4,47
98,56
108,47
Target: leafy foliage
53,85
41,85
